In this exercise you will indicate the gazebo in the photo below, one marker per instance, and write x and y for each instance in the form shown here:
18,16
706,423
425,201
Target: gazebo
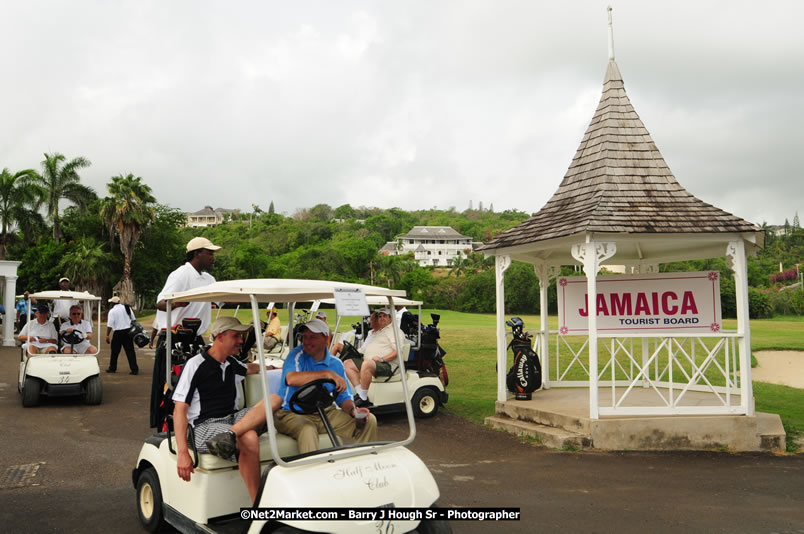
620,205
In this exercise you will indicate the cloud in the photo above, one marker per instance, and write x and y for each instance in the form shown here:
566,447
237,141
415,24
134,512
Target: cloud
411,104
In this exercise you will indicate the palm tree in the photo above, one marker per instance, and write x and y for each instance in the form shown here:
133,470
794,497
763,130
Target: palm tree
127,212
87,265
60,180
19,202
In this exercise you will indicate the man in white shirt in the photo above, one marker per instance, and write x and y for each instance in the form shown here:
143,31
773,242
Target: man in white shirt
379,358
119,322
39,335
61,307
78,324
200,258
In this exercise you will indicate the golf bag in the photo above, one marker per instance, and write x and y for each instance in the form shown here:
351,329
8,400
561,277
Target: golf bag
525,375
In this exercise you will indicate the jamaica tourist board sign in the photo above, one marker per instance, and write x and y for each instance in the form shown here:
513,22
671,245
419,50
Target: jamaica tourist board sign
643,303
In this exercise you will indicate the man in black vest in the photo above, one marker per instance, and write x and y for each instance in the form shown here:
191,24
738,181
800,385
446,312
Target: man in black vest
206,397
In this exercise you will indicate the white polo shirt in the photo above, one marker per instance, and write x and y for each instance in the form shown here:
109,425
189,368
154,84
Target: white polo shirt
118,318
183,279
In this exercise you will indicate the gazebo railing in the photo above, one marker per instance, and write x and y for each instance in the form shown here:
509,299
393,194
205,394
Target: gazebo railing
640,374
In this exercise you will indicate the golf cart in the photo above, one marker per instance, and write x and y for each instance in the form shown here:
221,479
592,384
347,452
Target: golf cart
424,369
370,475
58,374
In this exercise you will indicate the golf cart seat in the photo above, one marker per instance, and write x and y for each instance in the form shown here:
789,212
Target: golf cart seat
287,447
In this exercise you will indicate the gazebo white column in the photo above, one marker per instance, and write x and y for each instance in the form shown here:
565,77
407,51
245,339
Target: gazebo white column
591,254
735,256
8,270
501,263
545,273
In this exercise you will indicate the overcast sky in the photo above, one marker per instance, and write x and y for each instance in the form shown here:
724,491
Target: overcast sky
407,103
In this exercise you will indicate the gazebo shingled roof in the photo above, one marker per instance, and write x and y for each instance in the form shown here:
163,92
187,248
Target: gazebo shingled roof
619,183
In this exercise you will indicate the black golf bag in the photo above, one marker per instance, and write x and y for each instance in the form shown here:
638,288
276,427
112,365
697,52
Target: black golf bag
525,375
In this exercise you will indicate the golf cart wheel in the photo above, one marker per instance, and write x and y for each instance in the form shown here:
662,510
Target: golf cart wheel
30,392
149,501
93,392
425,403
434,526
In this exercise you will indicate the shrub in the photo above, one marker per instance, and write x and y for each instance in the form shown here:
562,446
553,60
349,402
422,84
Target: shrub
787,302
759,304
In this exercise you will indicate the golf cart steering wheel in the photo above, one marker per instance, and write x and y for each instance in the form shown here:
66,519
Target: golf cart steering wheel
311,395
73,338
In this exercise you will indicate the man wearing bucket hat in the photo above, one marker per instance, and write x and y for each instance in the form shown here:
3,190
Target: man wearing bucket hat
206,399
200,258
308,362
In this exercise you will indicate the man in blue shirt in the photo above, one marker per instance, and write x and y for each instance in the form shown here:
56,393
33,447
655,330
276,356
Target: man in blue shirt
309,362
23,311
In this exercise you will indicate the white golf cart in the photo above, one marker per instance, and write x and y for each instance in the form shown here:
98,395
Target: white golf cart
372,475
426,388
59,374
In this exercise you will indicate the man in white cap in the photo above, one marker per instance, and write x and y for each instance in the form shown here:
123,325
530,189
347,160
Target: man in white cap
61,307
200,258
118,324
379,357
206,398
308,362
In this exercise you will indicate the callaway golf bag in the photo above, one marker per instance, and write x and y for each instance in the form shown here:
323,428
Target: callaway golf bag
525,376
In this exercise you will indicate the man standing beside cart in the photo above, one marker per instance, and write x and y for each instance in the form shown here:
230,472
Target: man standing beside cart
312,361
199,259
117,332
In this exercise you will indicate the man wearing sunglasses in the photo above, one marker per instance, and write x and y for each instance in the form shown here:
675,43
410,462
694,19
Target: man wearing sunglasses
81,326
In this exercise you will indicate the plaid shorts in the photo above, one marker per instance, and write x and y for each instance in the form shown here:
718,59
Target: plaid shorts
212,427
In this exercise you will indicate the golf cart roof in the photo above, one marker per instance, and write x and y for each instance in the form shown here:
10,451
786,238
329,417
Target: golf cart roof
277,290
60,295
380,301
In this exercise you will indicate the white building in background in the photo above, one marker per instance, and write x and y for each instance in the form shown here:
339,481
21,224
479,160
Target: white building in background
436,246
207,217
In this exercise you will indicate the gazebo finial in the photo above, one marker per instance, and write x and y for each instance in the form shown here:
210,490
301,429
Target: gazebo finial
611,37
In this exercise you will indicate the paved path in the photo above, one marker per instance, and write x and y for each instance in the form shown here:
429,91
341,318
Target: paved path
86,453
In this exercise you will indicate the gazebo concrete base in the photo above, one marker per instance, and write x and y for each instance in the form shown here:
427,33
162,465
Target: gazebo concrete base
559,418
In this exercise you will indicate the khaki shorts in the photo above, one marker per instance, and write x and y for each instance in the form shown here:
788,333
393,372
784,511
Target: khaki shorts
383,368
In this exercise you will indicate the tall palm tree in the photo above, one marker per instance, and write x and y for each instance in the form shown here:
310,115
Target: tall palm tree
19,202
87,265
127,212
60,180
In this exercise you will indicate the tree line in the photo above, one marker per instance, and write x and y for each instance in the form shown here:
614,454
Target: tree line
127,242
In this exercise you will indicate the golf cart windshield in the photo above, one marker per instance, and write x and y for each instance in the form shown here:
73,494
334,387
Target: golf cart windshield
81,296
261,291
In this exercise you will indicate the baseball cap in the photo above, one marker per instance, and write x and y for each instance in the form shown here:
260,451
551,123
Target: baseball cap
64,279
318,326
386,311
115,300
42,308
201,242
321,314
227,323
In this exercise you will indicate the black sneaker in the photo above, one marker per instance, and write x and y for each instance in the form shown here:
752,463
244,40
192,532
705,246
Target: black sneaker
222,445
360,403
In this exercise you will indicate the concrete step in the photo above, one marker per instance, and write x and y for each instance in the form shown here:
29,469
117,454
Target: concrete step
555,438
544,414
770,430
